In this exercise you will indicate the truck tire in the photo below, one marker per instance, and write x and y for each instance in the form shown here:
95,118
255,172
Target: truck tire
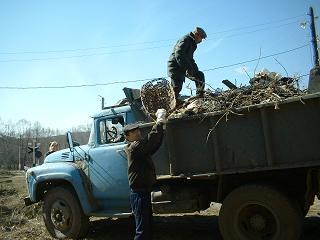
259,212
63,215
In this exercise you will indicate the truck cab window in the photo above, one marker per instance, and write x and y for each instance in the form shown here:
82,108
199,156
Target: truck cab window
111,130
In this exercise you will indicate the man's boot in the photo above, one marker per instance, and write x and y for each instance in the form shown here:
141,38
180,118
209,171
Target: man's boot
179,102
200,93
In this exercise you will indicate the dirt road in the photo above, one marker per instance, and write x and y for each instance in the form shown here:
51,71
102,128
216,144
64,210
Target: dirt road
19,222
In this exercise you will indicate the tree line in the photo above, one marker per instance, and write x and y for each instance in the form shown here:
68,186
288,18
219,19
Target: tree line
15,137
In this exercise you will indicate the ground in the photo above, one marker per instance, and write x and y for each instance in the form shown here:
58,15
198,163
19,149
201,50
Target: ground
20,222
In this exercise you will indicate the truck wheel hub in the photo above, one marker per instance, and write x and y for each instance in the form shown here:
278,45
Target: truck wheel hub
258,222
58,217
61,216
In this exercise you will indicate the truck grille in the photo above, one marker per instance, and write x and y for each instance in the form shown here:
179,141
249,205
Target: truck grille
65,155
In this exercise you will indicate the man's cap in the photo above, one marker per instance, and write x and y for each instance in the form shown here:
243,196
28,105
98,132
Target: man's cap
201,32
130,127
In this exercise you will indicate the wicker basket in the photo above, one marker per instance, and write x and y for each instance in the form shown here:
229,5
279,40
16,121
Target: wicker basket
158,93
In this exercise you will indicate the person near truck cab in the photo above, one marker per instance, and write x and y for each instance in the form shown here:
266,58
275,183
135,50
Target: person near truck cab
181,63
53,147
141,172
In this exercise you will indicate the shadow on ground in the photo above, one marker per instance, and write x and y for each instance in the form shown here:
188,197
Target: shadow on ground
165,228
311,228
186,227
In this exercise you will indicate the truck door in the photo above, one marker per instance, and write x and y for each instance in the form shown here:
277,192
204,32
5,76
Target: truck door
108,166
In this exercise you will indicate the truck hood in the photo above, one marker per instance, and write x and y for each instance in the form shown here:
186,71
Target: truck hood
65,155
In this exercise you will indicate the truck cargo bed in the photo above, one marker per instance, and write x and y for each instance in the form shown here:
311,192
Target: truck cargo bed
255,138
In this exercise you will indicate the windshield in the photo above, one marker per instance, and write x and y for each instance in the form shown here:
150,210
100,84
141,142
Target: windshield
111,130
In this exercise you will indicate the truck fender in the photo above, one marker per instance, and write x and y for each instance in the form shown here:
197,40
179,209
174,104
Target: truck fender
45,177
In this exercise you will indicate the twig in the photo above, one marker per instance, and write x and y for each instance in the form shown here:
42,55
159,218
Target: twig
212,129
254,72
210,86
302,101
244,69
188,87
239,114
282,66
276,95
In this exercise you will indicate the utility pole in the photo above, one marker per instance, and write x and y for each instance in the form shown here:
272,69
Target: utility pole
33,153
19,165
37,156
314,78
314,37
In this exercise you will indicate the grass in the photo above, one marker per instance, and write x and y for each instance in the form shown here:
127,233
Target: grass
16,220
20,222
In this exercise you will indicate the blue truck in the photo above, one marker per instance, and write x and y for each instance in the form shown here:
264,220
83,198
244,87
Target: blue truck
262,165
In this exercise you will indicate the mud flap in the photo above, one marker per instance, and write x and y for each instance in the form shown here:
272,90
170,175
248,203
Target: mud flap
318,183
313,187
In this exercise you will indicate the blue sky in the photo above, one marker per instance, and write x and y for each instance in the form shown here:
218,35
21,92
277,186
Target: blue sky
60,43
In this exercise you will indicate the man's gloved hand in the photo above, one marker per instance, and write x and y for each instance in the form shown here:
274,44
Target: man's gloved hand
161,115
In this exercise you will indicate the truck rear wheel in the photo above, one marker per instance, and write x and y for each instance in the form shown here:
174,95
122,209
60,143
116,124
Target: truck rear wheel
63,215
259,212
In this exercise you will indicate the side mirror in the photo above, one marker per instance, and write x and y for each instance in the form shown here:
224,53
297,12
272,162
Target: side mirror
70,141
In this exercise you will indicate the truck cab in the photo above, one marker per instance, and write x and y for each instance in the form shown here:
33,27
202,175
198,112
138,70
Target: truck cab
87,180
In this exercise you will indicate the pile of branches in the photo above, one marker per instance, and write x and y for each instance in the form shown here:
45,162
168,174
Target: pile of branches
265,87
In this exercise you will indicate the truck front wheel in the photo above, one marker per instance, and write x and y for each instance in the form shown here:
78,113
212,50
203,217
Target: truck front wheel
63,215
259,212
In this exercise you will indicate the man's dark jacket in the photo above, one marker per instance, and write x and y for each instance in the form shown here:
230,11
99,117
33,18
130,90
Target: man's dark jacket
181,58
141,170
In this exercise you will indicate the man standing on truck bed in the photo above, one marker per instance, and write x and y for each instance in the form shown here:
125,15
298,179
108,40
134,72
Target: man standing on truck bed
141,172
181,63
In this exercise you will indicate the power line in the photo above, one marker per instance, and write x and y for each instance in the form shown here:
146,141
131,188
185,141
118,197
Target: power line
84,49
77,86
127,50
148,79
259,30
146,42
256,59
258,25
80,56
